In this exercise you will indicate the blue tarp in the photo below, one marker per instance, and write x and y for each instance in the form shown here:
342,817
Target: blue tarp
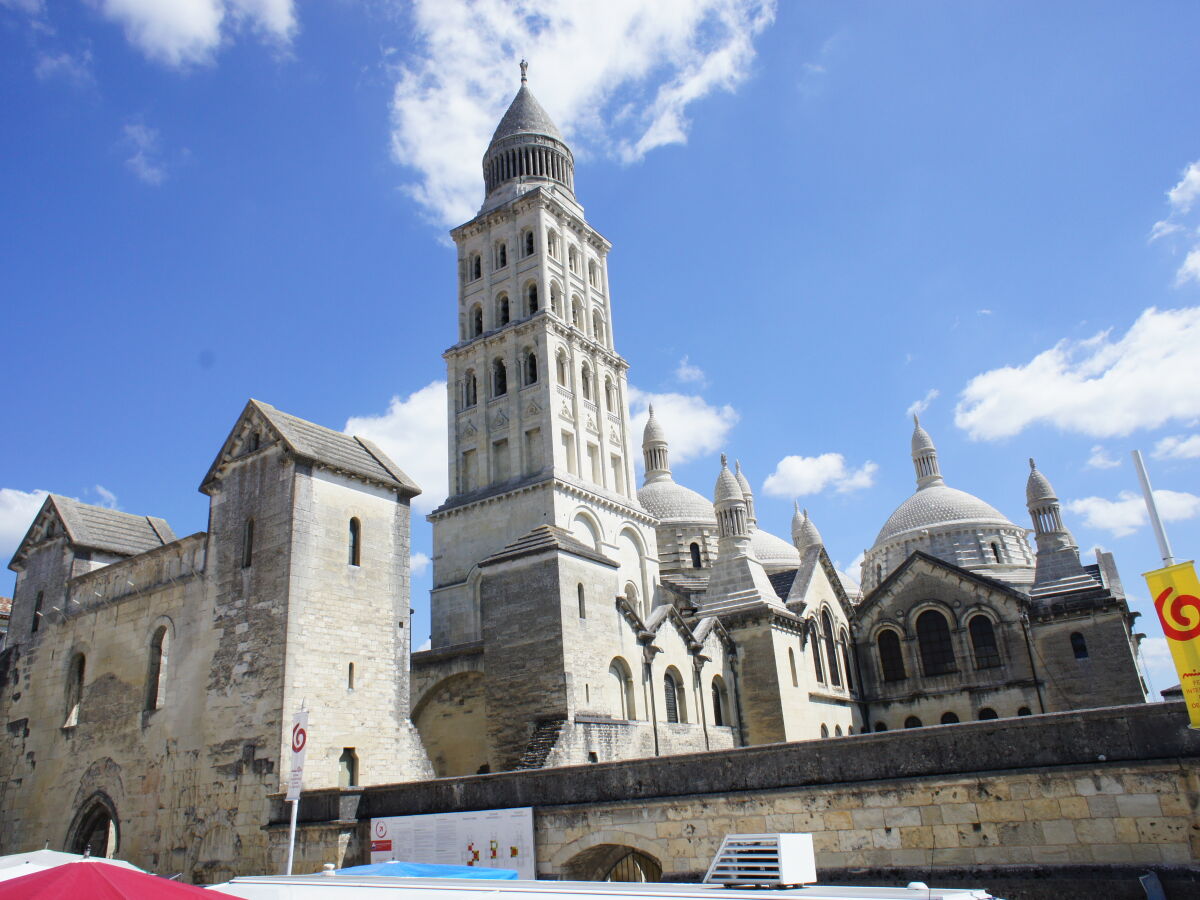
428,870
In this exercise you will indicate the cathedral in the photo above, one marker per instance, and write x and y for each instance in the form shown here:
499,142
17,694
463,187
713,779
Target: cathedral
149,680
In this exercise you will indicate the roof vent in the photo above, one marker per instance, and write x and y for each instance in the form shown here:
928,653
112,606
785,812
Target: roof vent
765,860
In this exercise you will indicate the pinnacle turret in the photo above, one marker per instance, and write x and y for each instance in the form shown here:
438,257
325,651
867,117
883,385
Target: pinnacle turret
924,456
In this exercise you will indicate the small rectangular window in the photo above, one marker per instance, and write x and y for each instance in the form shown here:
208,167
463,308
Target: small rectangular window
568,446
247,543
618,475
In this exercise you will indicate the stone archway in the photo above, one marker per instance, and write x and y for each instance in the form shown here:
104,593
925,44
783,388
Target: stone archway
451,718
613,862
95,830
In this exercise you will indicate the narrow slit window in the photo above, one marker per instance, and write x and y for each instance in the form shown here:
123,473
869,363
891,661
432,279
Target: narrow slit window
156,677
695,549
247,543
582,601
1079,645
350,676
355,542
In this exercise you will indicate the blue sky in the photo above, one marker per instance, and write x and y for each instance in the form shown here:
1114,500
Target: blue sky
822,214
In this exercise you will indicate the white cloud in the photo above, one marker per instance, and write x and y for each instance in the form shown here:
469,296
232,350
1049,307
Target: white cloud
145,154
1178,447
1163,229
919,406
107,497
1184,194
31,7
798,475
418,563
694,427
413,433
1099,387
616,77
854,570
1127,513
73,69
1181,199
17,509
187,32
687,373
1100,459
1190,270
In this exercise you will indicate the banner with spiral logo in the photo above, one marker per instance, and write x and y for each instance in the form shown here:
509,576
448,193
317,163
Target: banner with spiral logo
1176,593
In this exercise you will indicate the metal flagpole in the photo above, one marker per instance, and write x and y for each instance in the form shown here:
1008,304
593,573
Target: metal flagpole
1164,546
292,836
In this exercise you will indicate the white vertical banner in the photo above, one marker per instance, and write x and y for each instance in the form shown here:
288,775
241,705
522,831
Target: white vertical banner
299,745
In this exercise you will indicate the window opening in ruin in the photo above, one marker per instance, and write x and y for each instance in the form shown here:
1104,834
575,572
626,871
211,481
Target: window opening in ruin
348,768
582,602
835,674
949,718
75,690
156,677
355,542
983,641
937,648
912,722
695,550
891,660
36,622
247,543
1079,645
987,713
350,676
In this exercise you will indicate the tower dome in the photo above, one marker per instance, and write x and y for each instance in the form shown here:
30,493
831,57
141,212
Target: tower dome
727,488
804,532
1038,488
527,150
660,495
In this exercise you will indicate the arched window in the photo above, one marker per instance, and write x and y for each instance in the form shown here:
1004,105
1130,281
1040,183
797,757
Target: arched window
610,395
348,768
1024,711
560,365
36,621
577,313
631,594
879,726
824,730
912,722
531,299
74,692
844,643
97,833
355,543
792,666
949,718
476,267
1079,645
983,641
996,551
937,650
476,321
502,310
987,713
891,660
837,730
552,243
598,326
582,601
695,548
835,674
720,701
499,378
247,543
621,684
573,260
593,273
470,390
878,573
528,243
673,696
555,300
585,382
156,676
814,638
501,256
531,368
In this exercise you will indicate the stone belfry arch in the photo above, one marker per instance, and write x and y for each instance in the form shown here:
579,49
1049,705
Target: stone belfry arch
538,424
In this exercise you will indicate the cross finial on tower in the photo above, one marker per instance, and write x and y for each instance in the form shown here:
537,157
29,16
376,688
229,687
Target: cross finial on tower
524,69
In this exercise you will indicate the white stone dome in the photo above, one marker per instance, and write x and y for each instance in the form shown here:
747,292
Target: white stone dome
668,501
773,552
936,506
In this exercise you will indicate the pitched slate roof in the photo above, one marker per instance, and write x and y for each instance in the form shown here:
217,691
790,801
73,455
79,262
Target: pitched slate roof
90,527
546,537
326,448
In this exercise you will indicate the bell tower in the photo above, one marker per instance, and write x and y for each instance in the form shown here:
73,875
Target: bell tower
538,422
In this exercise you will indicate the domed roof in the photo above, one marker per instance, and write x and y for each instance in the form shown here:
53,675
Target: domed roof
804,532
654,431
921,441
526,116
670,502
773,551
726,487
938,505
1038,488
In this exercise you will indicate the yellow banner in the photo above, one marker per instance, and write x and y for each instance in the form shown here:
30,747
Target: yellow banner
1176,593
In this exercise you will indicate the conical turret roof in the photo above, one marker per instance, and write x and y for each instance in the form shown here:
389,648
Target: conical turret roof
654,431
1038,488
921,441
727,487
526,116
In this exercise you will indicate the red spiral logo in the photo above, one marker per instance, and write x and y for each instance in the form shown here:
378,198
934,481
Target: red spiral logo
299,738
1181,619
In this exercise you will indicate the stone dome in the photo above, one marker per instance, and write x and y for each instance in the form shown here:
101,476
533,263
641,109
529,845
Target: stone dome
937,506
727,488
773,552
921,441
654,431
668,501
1038,488
804,530
526,116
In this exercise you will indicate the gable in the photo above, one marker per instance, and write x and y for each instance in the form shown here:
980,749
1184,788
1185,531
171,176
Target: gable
923,577
88,527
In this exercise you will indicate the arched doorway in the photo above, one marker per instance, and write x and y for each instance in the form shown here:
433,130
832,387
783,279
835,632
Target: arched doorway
613,862
95,831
